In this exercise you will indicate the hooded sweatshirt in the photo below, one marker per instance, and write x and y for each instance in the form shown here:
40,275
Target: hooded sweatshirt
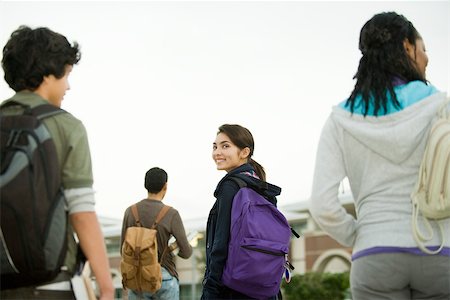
218,226
380,156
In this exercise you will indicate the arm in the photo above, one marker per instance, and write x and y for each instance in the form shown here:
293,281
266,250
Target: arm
329,172
84,221
77,181
180,235
91,240
219,250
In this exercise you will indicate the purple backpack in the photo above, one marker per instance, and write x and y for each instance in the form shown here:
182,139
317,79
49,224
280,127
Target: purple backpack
259,244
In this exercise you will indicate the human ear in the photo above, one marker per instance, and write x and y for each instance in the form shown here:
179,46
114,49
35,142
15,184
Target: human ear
409,48
245,152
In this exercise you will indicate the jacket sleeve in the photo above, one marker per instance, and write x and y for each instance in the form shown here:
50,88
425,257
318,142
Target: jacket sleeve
329,171
219,251
180,235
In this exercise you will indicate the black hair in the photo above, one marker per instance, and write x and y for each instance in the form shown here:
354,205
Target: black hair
155,179
384,59
31,54
242,137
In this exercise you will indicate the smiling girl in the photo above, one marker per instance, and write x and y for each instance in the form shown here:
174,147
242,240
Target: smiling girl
232,152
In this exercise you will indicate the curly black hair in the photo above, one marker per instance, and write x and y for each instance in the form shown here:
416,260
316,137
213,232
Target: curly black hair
383,60
31,54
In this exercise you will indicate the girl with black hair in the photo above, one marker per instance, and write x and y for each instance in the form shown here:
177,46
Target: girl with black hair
376,138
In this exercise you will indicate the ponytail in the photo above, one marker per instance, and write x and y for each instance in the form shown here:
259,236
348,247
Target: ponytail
258,169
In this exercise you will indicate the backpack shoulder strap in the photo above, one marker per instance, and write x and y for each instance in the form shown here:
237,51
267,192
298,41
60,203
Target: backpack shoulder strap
9,103
442,112
41,111
162,213
135,213
46,110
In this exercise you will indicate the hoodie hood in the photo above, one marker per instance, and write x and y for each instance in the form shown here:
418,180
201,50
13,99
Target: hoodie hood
268,190
262,187
394,136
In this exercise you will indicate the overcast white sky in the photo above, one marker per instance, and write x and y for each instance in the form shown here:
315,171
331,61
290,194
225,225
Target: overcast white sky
157,79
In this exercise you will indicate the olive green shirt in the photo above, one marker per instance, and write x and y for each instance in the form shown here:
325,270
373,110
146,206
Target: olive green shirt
71,142
72,148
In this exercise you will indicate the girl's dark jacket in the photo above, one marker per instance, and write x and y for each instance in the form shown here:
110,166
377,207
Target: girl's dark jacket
218,229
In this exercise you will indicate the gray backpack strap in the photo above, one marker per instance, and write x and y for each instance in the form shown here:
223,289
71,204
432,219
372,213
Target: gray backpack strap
41,111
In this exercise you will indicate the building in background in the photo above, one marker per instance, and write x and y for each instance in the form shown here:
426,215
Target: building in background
314,251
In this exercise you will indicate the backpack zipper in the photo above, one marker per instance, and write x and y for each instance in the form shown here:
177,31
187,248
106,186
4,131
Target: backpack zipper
264,251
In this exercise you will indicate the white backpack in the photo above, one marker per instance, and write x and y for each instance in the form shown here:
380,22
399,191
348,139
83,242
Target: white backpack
431,194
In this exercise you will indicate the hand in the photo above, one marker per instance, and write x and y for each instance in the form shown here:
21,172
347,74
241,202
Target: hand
107,295
194,240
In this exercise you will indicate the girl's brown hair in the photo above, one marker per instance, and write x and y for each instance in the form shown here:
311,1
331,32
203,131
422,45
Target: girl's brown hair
242,137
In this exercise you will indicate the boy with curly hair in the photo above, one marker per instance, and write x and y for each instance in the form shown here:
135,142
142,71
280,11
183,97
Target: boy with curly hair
37,64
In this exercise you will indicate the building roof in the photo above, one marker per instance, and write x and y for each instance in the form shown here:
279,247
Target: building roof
294,211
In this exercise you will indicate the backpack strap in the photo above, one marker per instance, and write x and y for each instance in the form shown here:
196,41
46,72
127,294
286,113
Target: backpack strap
419,236
41,111
138,245
12,103
134,211
162,213
442,112
46,110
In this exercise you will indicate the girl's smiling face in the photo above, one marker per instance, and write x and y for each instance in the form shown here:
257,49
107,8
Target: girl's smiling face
227,155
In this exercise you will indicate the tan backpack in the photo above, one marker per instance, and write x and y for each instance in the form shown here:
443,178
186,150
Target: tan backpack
431,194
140,267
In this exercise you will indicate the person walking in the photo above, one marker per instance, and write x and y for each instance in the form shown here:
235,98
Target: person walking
37,64
376,138
170,225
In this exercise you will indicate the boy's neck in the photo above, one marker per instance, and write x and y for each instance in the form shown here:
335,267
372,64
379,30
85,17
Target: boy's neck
156,196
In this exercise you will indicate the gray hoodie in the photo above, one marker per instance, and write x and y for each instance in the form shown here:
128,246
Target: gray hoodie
381,158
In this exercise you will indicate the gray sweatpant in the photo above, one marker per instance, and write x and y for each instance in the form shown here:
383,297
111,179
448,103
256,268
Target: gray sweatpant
399,276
